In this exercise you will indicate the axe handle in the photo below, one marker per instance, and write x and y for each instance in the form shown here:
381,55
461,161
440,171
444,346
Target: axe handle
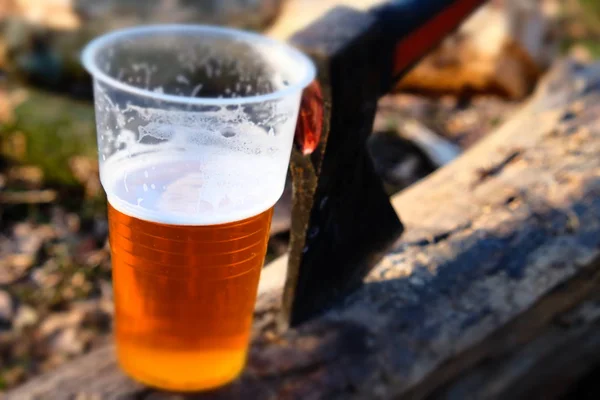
416,26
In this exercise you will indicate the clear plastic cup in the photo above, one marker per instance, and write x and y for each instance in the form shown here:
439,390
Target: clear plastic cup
195,127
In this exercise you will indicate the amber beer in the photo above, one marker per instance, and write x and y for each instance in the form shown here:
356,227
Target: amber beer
184,297
195,126
186,264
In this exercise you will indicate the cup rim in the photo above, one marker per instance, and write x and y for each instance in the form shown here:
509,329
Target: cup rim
91,49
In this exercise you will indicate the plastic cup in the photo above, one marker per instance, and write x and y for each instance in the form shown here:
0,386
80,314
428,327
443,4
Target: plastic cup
195,127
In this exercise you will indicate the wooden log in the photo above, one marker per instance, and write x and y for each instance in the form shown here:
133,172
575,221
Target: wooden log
499,245
545,367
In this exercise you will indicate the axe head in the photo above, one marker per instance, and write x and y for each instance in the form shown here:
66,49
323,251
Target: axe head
342,219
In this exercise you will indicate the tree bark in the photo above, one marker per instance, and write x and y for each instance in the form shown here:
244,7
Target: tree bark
489,293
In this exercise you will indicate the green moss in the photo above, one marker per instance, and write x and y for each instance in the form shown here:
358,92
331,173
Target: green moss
593,46
591,6
591,14
496,121
54,128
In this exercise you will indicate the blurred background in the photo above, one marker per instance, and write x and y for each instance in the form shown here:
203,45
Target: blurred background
55,283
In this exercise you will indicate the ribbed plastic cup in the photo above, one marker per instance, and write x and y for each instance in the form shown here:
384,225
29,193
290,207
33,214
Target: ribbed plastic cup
195,127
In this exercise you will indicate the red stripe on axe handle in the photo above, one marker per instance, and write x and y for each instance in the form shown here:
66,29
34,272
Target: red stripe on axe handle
417,44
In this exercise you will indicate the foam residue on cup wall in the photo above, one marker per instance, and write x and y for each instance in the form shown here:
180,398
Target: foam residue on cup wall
197,169
193,165
179,140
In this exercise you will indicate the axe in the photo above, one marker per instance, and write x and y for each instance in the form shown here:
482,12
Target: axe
341,217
